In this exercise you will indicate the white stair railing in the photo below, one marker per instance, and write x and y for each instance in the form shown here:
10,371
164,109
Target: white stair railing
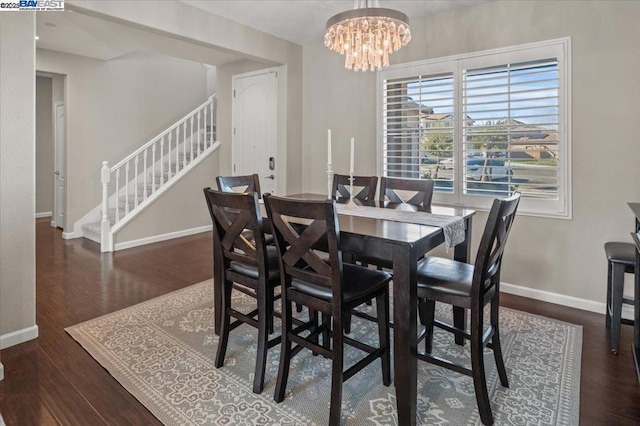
132,183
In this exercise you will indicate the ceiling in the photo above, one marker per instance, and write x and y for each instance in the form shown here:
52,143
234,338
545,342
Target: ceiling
303,21
84,35
299,21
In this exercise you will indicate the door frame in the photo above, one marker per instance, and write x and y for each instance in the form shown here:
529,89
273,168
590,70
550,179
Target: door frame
59,161
281,121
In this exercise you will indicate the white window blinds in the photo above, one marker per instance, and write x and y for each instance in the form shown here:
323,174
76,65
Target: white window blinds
418,127
511,125
483,125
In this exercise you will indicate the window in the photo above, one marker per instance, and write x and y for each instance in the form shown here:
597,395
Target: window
482,125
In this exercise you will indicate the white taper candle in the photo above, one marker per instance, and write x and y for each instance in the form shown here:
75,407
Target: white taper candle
352,155
329,146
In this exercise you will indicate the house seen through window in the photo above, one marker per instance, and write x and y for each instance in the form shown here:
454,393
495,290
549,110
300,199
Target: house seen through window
482,126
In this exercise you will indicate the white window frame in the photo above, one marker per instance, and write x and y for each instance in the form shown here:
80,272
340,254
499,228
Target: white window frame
557,48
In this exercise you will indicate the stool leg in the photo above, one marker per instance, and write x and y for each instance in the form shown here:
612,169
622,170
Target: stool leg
609,284
617,281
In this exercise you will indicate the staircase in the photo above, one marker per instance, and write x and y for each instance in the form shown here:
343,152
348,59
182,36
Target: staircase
143,176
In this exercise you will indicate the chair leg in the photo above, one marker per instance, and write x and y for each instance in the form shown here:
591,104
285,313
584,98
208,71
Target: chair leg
609,285
271,295
337,373
495,340
285,351
263,337
382,308
314,318
427,311
617,281
326,323
347,322
477,369
225,319
459,321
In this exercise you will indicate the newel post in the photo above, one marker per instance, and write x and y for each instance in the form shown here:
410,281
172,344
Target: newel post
105,227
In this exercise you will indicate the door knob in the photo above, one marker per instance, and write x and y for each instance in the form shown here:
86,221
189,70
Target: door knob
270,177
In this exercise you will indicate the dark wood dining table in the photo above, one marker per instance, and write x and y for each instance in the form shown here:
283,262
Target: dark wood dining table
402,244
635,207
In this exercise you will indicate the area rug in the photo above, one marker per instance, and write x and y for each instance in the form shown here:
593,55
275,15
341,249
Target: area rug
162,352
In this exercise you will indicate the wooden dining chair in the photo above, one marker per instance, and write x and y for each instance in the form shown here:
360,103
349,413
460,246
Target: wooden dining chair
325,285
417,192
248,265
365,185
470,287
247,183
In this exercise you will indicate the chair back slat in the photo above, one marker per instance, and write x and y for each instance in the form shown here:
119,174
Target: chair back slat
417,192
299,227
365,185
241,184
494,238
232,215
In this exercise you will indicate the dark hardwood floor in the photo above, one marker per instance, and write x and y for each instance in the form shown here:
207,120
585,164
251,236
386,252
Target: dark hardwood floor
52,380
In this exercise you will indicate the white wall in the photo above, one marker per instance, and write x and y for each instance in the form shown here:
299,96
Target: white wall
44,144
115,106
17,162
559,256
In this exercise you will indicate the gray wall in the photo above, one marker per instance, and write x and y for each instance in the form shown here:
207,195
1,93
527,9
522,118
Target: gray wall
115,106
17,154
560,256
44,144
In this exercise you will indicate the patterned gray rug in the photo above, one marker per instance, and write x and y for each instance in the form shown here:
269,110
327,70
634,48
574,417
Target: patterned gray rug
162,352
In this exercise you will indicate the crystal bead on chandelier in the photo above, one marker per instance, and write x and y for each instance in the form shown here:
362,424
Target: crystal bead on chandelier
367,36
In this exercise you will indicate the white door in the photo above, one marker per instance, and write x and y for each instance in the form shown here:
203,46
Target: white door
58,179
254,127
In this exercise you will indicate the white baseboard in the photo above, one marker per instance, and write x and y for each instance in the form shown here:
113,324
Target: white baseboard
558,299
17,337
162,237
43,214
564,300
71,235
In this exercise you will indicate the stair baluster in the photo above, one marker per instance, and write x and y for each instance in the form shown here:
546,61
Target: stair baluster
144,181
135,182
117,196
153,169
199,142
191,121
126,189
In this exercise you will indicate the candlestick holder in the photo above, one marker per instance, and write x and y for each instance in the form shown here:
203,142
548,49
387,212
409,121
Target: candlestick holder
351,205
330,196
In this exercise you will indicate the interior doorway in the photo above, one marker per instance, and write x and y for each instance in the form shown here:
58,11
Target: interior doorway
50,148
59,163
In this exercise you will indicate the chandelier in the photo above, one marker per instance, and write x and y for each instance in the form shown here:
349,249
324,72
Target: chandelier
367,36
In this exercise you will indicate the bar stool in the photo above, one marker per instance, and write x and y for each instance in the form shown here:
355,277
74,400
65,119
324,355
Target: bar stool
621,258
